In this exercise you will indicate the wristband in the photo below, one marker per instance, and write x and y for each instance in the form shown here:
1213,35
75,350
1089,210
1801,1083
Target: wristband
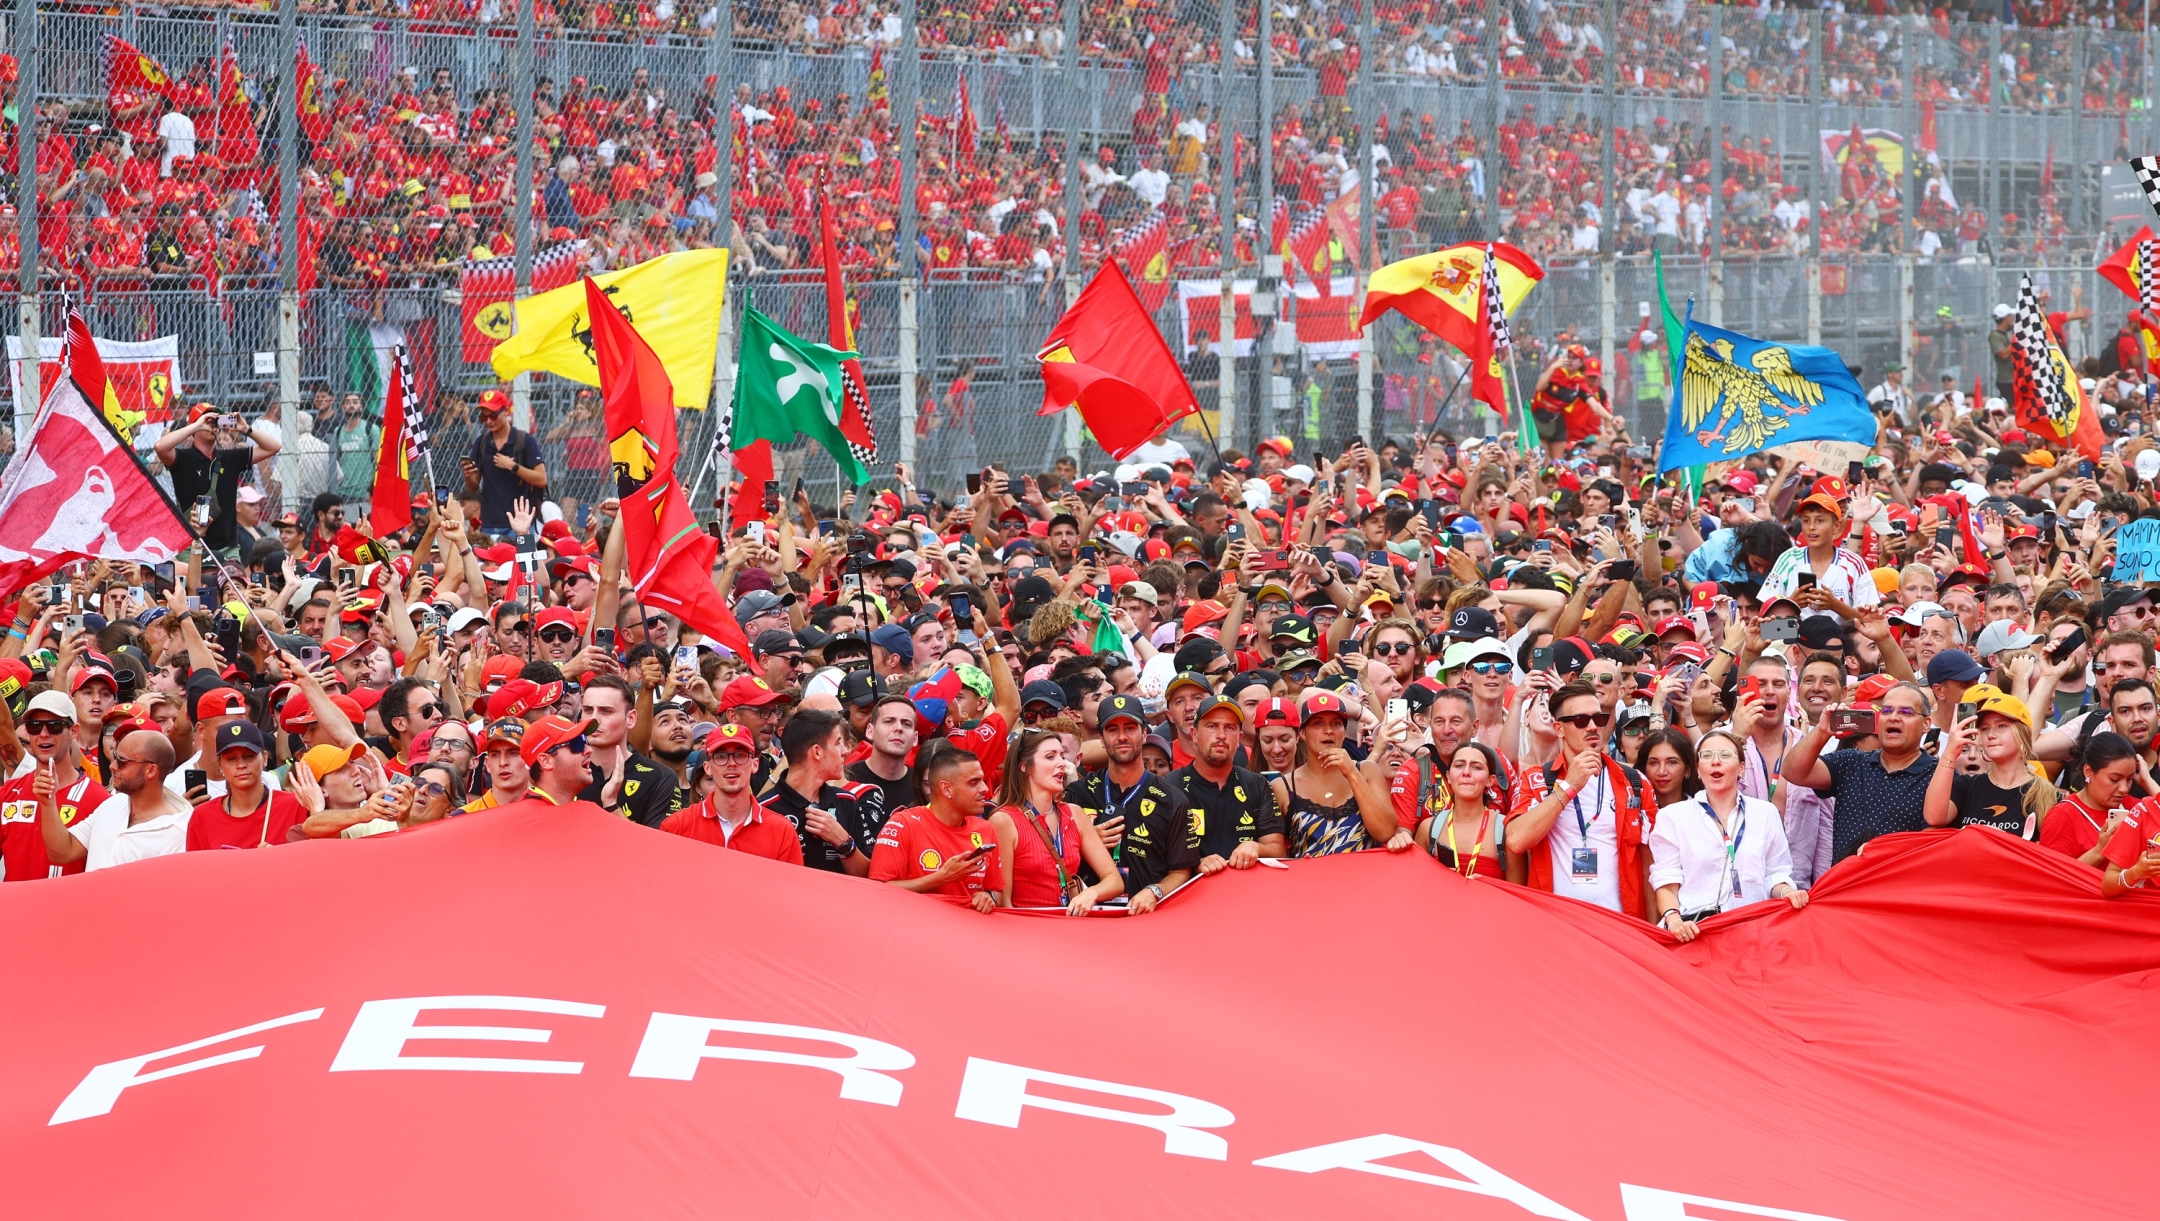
1670,911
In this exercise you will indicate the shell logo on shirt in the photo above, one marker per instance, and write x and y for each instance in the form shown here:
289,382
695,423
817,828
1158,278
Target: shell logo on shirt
929,860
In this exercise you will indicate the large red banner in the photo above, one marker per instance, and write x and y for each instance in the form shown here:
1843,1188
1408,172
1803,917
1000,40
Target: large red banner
548,1012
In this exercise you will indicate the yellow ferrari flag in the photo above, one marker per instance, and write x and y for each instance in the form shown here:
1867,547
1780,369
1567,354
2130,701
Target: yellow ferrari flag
674,301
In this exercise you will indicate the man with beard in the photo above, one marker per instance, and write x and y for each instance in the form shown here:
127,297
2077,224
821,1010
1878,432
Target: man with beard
945,847
670,744
838,822
560,758
1807,812
731,817
1144,821
1877,792
140,820
1419,787
890,737
780,659
48,732
1234,809
624,781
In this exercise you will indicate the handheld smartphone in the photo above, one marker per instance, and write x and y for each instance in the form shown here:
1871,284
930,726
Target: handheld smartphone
1852,722
859,543
1750,687
2061,652
1541,658
194,778
796,494
1785,628
1235,531
1621,570
963,610
1398,709
977,852
1269,561
974,482
1378,557
1607,521
772,499
2048,525
604,639
1132,487
1854,473
2085,469
755,532
1687,672
228,636
686,656
1946,537
1746,503
1804,580
1431,510
1543,544
1967,712
229,420
1088,553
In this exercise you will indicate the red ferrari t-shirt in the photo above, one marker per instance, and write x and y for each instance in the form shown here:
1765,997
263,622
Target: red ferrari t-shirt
214,826
21,843
2137,835
2072,827
914,844
986,741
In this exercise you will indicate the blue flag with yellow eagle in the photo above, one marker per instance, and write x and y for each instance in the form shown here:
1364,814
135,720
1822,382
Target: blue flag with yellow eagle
1735,395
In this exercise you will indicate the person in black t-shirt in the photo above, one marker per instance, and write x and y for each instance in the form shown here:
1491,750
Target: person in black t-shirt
2008,796
1235,808
891,736
1147,822
837,822
504,465
641,789
208,456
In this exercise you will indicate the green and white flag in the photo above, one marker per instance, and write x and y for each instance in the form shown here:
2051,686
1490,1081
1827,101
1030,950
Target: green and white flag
786,386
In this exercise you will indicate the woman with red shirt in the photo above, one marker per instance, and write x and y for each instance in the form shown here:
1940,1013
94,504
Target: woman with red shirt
2081,824
1051,840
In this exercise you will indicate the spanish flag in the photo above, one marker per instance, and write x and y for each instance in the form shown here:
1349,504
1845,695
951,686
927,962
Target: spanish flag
1441,292
673,301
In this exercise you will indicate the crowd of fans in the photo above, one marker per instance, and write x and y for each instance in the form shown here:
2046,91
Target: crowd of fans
1081,691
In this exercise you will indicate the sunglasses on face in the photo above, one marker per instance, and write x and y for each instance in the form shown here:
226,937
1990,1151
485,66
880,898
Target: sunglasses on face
575,746
1401,648
1492,667
429,790
44,726
1603,680
558,635
1586,720
653,621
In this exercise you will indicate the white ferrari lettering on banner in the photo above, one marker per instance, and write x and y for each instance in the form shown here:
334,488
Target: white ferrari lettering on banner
995,1093
102,1087
382,1028
674,1044
1365,1152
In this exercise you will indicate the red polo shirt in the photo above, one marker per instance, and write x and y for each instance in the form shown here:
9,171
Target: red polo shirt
762,834
914,844
22,845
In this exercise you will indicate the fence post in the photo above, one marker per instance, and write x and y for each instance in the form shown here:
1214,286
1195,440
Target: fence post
910,67
1994,146
1495,11
1713,206
1367,181
1226,233
1608,207
1814,178
1074,89
1909,118
1267,307
27,53
288,338
521,196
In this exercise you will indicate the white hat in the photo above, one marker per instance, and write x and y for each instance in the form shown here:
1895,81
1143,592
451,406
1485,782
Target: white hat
550,511
469,617
249,496
2000,635
1463,652
1127,542
53,702
2003,311
1258,494
1912,615
1298,473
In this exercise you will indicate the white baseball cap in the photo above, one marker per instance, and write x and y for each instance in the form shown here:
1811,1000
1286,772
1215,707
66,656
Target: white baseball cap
2003,311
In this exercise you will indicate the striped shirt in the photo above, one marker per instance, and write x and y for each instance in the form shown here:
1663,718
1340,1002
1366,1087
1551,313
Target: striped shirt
1847,580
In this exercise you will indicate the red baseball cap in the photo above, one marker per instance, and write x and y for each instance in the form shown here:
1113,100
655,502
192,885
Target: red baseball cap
1688,651
220,701
548,733
747,691
338,648
1674,623
522,695
555,615
494,400
1325,703
730,737
1702,595
1202,613
88,674
1277,711
499,669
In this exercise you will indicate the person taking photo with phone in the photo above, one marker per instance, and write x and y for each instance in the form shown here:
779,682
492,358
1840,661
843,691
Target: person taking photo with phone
208,456
1822,576
2010,795
1721,850
1582,816
1874,792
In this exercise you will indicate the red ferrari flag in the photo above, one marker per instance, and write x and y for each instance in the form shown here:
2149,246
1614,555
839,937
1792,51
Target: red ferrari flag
840,333
390,507
1145,251
1107,359
236,139
126,67
668,558
76,491
314,115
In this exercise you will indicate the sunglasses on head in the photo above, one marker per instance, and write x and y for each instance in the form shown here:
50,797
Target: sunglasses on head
1586,720
557,635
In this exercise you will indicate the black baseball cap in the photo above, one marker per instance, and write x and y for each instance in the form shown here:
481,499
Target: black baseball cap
1473,623
238,733
1214,703
1127,707
860,689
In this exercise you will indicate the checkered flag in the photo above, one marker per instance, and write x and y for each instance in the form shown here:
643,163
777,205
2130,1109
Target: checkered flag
2148,273
2147,170
1503,337
2046,399
417,457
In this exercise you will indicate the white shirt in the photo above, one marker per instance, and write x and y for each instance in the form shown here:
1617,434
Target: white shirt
1689,848
105,834
1667,210
1846,577
1151,185
1589,809
179,133
176,783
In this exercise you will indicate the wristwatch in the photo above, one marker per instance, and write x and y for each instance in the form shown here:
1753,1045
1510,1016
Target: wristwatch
1156,891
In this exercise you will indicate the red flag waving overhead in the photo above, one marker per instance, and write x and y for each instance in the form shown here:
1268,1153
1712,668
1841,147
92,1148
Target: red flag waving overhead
236,140
76,491
1306,251
855,393
668,558
1145,250
390,509
126,67
314,115
1106,358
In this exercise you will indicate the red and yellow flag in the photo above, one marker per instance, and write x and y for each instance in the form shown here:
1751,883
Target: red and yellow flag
1441,292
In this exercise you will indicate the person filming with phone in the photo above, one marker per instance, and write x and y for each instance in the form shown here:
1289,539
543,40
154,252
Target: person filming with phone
208,456
945,847
1874,792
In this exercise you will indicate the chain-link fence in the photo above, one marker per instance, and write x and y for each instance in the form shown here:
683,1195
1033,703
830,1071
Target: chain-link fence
1586,132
